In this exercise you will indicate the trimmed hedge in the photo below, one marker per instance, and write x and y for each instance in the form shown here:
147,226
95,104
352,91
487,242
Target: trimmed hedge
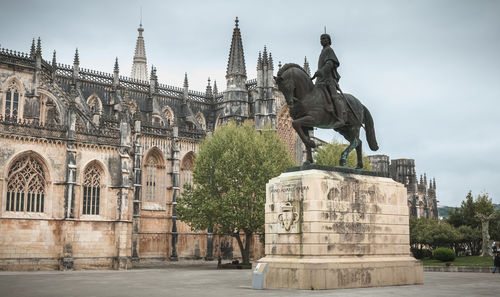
444,254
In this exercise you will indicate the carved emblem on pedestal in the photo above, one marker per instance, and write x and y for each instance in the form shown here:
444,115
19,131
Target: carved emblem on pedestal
287,217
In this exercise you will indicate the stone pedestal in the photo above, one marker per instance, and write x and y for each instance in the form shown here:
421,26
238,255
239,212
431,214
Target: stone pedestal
329,229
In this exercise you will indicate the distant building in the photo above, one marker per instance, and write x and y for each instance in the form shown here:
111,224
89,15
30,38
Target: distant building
422,200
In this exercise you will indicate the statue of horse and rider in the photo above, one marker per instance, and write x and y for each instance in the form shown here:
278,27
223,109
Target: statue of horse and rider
323,104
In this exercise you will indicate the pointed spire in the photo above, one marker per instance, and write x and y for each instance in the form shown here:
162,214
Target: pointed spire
259,62
76,60
153,72
32,51
139,66
54,61
415,184
425,179
306,66
264,57
153,80
39,47
270,61
186,84
208,91
76,67
279,64
236,62
434,183
215,88
116,74
421,180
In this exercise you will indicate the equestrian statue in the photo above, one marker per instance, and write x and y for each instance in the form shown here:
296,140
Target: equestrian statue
324,105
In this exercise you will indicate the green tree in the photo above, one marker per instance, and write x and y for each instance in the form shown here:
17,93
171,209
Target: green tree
229,176
442,234
485,212
483,205
470,239
432,233
329,155
417,232
466,214
478,214
495,227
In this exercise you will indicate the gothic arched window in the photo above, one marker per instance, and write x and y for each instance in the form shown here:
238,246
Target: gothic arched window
187,166
169,115
94,104
92,190
201,120
154,171
12,100
26,186
151,168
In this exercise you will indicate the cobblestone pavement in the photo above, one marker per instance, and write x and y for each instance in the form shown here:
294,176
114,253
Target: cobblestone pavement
205,280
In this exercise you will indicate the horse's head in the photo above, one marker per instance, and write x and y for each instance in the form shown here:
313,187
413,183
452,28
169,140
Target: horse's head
294,82
287,87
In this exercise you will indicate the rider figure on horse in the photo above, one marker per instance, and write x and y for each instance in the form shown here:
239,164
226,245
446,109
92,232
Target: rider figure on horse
328,78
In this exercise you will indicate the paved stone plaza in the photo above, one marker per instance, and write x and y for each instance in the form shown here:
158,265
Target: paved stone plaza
205,280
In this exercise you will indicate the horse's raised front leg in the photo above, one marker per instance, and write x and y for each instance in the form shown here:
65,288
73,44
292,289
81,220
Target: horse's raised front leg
359,155
301,123
343,157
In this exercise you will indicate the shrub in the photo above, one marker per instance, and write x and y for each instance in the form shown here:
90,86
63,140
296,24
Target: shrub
444,254
421,253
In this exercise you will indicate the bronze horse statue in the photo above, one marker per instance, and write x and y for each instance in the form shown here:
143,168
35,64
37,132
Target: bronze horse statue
307,109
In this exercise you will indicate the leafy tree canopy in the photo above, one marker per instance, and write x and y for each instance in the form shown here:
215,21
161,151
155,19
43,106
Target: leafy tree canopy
229,176
471,210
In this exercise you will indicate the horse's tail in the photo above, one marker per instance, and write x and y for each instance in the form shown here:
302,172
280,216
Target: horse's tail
370,130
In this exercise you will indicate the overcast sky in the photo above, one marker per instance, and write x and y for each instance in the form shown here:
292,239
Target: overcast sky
429,71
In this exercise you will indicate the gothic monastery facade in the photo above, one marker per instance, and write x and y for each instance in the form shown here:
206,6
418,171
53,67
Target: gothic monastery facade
422,200
91,163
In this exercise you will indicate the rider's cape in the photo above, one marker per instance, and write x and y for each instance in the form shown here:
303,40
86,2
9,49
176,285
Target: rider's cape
328,54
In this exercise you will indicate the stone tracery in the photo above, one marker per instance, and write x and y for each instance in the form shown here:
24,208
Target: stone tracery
169,115
26,186
12,100
92,189
153,175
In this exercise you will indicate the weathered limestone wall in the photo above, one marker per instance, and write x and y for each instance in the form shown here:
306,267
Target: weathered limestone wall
30,244
327,229
39,240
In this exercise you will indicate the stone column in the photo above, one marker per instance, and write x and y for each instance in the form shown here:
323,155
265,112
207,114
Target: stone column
123,230
71,165
175,191
67,230
137,199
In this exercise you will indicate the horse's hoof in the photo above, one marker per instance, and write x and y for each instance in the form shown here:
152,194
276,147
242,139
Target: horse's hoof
342,162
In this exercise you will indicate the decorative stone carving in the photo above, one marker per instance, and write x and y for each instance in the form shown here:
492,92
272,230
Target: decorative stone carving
288,217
